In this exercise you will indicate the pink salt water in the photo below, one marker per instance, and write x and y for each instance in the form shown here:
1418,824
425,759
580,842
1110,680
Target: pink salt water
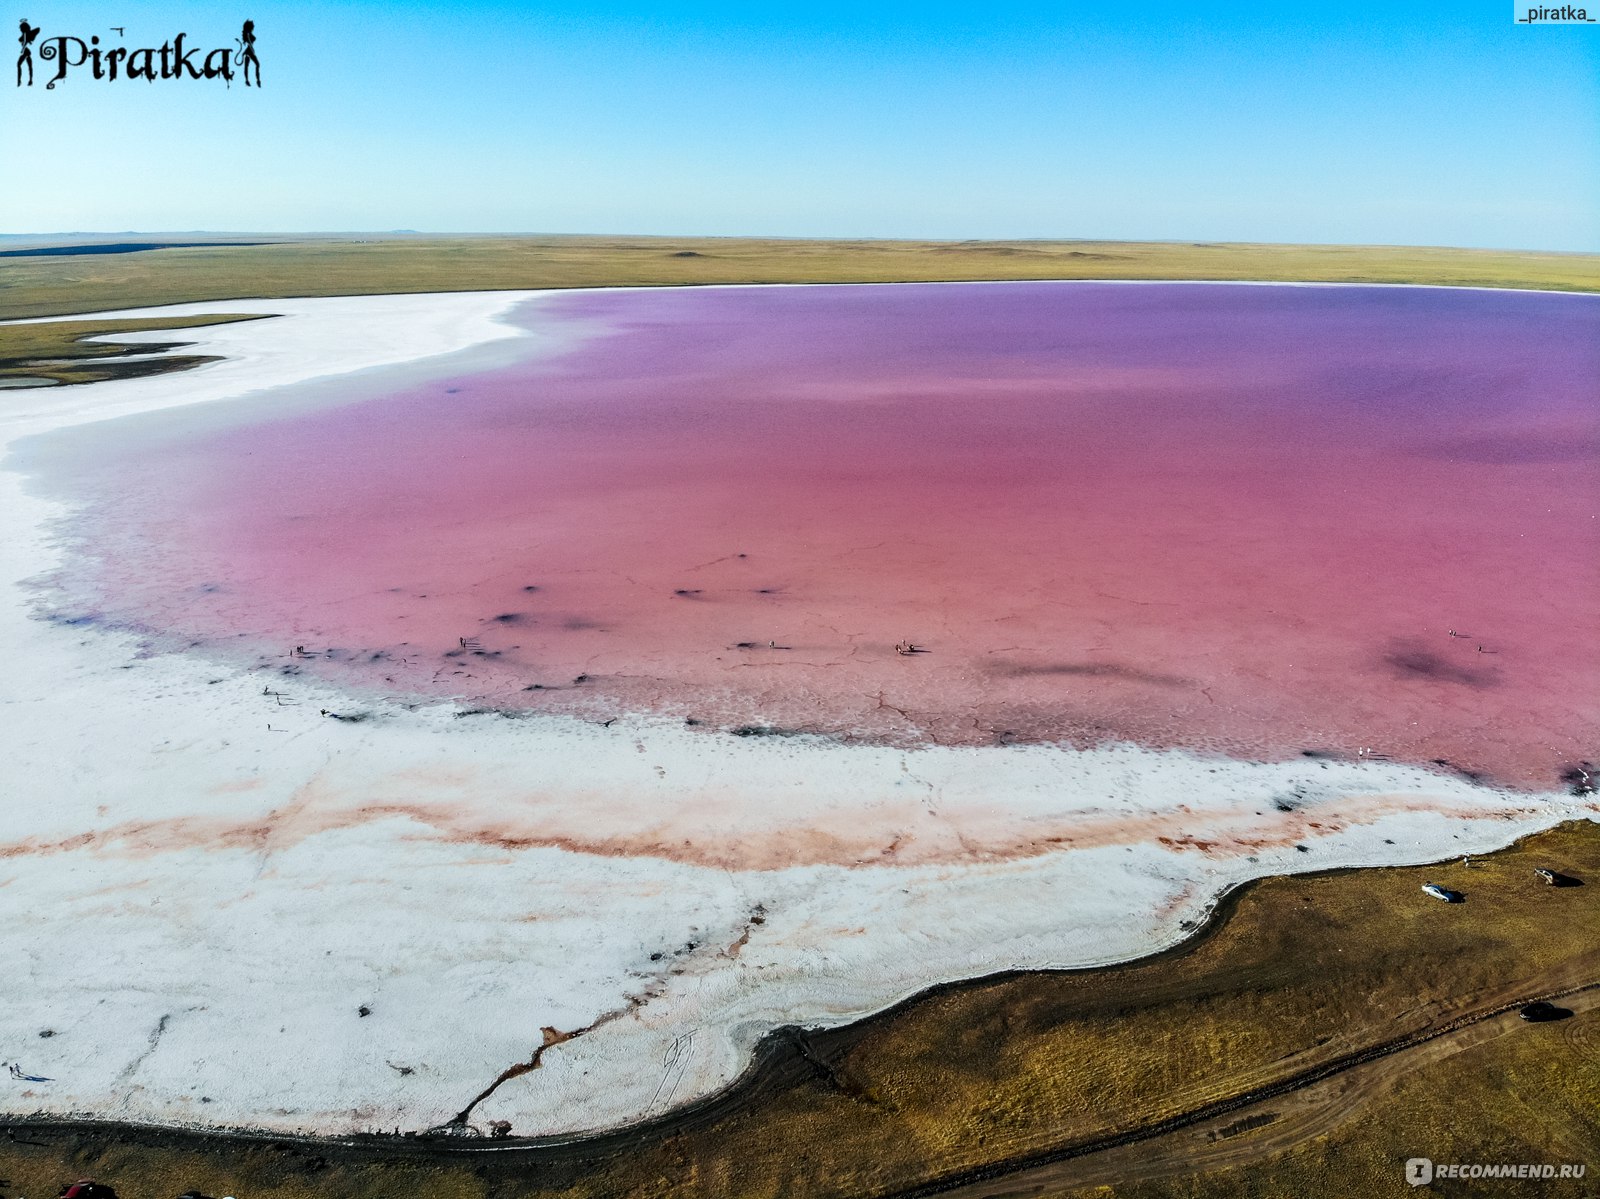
1258,520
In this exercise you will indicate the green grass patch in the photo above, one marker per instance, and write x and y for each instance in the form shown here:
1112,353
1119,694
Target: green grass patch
68,352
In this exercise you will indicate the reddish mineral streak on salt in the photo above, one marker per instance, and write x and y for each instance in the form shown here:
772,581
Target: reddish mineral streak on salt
1244,519
904,838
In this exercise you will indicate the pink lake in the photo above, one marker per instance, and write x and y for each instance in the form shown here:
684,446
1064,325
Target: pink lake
1255,520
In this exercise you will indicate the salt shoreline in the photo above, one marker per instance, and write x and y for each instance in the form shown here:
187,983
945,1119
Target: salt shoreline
245,874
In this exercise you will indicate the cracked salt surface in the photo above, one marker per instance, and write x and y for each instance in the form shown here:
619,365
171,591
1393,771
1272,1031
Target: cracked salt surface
206,884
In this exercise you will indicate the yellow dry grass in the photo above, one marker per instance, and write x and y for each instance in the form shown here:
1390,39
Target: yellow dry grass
54,286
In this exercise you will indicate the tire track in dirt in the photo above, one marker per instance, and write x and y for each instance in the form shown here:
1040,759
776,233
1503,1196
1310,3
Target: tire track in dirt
1353,1077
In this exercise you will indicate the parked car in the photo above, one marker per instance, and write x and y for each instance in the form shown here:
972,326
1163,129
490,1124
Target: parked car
87,1188
1540,1011
1444,893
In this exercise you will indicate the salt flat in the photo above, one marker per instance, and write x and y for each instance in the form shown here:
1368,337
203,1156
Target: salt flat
208,880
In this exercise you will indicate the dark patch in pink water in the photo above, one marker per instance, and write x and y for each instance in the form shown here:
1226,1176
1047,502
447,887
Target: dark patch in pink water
1234,518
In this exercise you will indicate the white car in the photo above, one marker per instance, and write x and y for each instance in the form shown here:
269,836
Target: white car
1438,892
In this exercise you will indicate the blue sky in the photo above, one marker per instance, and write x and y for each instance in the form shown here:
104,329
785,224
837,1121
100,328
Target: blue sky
1387,123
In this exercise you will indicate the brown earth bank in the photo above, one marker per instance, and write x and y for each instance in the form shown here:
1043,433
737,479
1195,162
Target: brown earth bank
1321,1030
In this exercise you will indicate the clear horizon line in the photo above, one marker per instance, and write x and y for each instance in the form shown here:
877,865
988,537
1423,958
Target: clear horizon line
399,234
